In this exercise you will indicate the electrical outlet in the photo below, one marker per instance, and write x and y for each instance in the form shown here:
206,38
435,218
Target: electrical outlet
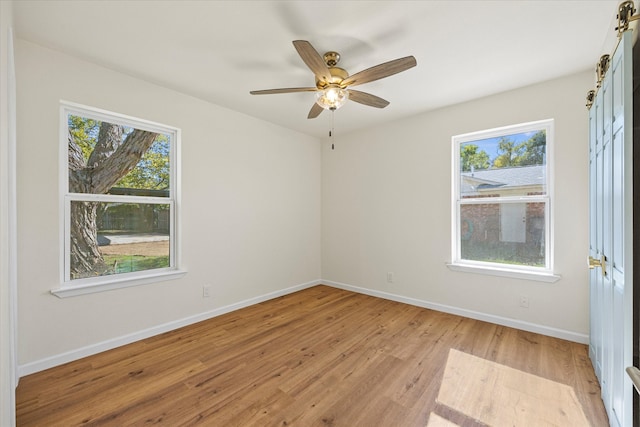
206,291
524,301
390,277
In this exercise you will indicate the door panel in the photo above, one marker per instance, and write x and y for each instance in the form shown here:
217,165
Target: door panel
595,291
610,235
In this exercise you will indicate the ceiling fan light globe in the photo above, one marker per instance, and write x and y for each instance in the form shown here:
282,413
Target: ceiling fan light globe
332,97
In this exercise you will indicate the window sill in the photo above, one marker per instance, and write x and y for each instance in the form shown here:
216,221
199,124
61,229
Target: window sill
506,272
109,283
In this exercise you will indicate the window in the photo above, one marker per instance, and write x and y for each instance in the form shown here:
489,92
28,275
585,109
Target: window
119,196
502,201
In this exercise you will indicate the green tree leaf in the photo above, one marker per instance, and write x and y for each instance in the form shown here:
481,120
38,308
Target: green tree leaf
534,149
470,157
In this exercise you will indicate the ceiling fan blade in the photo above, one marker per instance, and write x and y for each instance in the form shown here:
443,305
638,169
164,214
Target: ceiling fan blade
315,111
314,61
380,71
367,99
283,90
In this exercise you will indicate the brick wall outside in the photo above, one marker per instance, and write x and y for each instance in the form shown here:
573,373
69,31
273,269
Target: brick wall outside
480,234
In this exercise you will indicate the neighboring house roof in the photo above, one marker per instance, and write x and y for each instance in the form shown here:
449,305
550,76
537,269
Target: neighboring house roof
502,178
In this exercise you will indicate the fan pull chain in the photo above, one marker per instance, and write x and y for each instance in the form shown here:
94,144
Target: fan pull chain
331,132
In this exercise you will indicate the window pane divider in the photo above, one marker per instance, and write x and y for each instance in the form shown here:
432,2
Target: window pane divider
91,197
518,199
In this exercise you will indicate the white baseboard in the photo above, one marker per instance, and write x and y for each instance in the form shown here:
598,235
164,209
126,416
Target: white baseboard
59,359
498,320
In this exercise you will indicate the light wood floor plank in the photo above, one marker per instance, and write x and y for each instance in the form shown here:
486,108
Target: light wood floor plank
318,357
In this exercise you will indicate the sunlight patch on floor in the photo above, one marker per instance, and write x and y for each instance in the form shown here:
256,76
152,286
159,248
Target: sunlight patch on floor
437,421
498,395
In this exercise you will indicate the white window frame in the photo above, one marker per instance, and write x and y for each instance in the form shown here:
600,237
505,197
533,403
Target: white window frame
82,286
544,274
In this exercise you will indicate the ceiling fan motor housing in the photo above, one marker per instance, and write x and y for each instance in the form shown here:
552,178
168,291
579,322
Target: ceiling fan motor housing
337,76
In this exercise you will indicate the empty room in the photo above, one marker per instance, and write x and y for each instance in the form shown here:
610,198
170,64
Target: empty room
318,213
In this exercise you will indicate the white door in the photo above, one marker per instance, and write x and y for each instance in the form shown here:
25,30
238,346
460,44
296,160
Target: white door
610,188
513,222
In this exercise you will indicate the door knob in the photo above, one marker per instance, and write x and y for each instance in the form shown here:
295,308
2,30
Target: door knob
602,263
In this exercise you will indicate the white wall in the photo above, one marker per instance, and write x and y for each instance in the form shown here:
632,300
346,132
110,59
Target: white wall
250,208
8,299
386,207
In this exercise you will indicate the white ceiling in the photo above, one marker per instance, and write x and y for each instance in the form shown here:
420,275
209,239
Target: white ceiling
220,50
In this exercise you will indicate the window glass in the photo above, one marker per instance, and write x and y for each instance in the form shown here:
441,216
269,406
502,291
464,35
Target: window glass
92,144
510,165
506,233
129,237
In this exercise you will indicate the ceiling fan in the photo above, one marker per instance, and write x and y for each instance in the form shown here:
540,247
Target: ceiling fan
333,83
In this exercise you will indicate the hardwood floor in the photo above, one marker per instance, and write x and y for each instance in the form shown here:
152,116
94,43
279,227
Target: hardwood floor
318,357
